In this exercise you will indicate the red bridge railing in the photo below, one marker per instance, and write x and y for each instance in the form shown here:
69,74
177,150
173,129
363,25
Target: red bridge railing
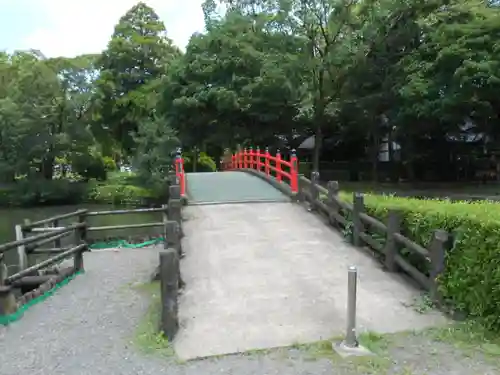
273,166
179,171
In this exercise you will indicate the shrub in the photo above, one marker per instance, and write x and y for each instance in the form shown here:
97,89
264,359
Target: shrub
123,188
471,279
205,163
109,164
41,192
117,194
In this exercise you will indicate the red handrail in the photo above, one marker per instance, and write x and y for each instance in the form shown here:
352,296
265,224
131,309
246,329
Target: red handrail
264,162
179,172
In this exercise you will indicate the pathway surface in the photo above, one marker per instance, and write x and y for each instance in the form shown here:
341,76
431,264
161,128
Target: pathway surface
226,187
87,326
257,276
266,275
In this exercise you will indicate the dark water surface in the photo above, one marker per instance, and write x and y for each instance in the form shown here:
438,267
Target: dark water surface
9,217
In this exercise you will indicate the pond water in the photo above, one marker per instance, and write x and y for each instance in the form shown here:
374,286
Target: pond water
9,217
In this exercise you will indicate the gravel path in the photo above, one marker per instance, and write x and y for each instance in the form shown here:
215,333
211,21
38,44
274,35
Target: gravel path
87,327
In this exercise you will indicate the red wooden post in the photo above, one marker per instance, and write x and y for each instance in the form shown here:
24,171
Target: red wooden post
294,172
278,166
245,158
179,171
232,161
183,179
266,156
251,158
259,165
176,163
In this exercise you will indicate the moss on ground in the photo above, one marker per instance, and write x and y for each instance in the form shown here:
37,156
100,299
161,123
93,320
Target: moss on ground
147,337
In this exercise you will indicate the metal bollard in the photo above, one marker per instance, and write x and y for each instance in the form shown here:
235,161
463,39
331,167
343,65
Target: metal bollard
350,338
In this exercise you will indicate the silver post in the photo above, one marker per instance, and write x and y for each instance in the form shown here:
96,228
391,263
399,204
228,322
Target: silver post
350,338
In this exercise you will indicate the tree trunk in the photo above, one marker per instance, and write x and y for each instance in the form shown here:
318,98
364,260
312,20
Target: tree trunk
374,155
318,139
407,151
48,167
195,159
319,115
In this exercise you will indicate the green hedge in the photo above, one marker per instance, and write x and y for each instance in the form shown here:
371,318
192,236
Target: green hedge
119,195
471,280
121,188
27,193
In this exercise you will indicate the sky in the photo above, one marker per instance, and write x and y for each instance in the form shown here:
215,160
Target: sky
70,28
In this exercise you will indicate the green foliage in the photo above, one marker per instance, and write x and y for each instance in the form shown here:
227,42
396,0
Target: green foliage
129,67
424,73
156,144
204,162
235,75
147,336
27,193
109,164
90,166
120,189
119,194
471,280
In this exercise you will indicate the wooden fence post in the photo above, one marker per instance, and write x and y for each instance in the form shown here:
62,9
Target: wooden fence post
78,256
8,303
174,191
57,242
358,208
314,190
172,236
300,194
333,192
164,215
267,162
80,238
175,206
172,178
391,245
169,291
174,213
278,166
437,252
3,270
21,249
173,241
258,159
82,231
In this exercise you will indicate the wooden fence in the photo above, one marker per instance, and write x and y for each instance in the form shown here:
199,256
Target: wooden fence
33,236
385,239
32,276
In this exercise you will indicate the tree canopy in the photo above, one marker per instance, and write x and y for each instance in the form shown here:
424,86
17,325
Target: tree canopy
419,76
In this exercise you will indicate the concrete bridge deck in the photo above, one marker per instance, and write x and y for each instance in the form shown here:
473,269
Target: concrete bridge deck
266,275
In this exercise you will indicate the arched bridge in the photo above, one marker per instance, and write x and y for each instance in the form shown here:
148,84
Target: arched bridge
274,274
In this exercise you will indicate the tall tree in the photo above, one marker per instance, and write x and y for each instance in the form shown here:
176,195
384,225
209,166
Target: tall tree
136,56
